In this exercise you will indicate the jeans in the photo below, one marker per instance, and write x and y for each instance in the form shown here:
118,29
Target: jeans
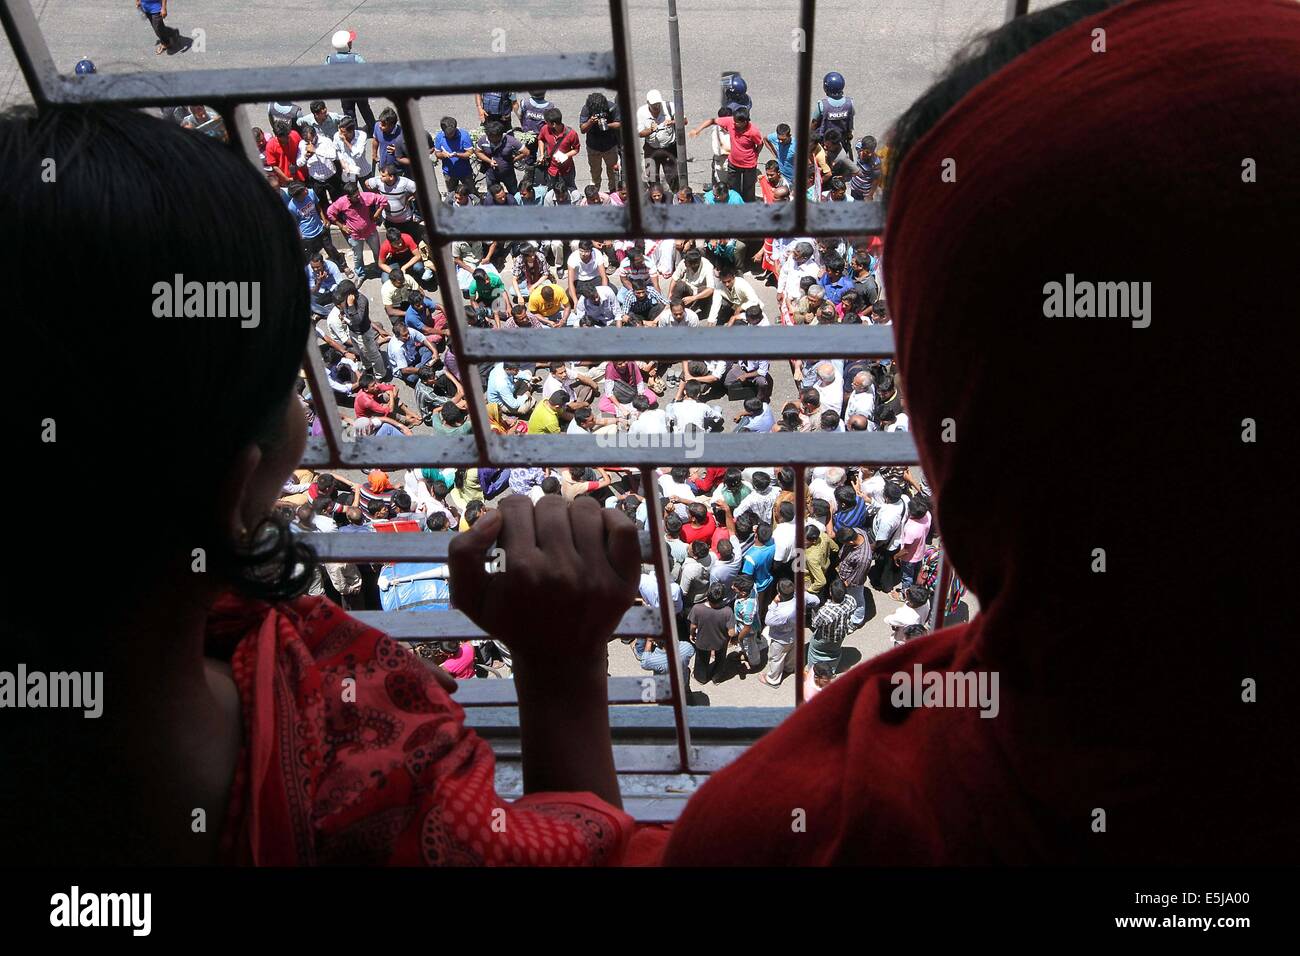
859,593
358,245
422,356
910,570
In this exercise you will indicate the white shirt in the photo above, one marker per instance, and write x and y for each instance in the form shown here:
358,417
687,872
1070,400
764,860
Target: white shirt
759,502
687,411
588,271
323,163
649,589
741,296
661,255
662,137
354,160
791,273
398,210
832,395
888,522
689,318
672,489
651,421
861,403
900,423
904,617
783,538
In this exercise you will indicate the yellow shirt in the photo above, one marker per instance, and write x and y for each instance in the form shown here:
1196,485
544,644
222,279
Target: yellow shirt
544,421
538,305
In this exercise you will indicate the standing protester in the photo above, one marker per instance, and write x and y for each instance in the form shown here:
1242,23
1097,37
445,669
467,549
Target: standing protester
358,108
357,216
170,40
454,147
656,125
746,141
601,121
561,144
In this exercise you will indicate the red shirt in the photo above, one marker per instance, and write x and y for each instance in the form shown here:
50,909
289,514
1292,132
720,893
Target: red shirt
285,160
386,248
711,478
744,146
366,405
692,532
566,142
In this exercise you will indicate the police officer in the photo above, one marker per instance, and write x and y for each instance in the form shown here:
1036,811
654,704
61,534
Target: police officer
834,111
735,94
358,108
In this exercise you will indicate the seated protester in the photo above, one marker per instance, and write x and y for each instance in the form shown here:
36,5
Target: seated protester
757,417
399,251
545,418
408,352
464,195
634,269
521,318
835,282
561,196
575,383
344,375
748,378
915,610
434,389
497,151
828,383
529,270
323,277
399,195
529,195
697,274
376,492
488,290
709,374
640,301
584,420
451,419
690,411
397,281
378,398
685,197
549,302
755,318
498,195
423,316
587,269
592,196
725,253
837,191
510,388
677,316
723,193
830,421
597,306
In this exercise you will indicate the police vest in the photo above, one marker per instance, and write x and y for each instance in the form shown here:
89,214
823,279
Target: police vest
836,117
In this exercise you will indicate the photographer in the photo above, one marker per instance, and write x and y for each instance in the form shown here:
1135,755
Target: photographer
601,121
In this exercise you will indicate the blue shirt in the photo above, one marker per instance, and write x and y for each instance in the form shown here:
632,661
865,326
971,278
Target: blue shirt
306,211
835,290
501,390
332,278
414,320
733,198
784,156
758,562
344,58
395,138
456,166
151,6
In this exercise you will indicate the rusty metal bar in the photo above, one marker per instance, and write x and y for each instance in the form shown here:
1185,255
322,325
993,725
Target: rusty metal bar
803,113
800,601
668,617
631,165
32,52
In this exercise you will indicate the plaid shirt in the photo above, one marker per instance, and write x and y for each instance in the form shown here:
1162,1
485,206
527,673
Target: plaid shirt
830,626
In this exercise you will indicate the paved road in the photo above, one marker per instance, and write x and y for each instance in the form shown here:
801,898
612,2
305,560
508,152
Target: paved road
888,52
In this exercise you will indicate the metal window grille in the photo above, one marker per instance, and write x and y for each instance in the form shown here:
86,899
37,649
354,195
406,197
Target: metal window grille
229,90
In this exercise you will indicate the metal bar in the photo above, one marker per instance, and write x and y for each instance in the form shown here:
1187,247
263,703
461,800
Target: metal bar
800,601
679,105
702,343
322,397
453,625
32,52
803,112
637,758
394,80
658,543
1016,8
239,127
428,546
598,451
940,596
502,693
426,182
618,22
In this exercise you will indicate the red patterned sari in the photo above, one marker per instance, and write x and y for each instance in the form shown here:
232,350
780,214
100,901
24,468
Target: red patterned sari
354,754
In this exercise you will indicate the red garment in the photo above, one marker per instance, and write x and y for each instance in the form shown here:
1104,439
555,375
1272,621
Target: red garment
286,161
692,532
392,778
404,252
1119,691
710,480
566,142
744,146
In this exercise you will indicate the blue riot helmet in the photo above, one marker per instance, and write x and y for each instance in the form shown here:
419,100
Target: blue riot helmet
84,68
833,84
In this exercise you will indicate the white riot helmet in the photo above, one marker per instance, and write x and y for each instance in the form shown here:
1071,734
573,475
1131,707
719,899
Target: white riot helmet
343,39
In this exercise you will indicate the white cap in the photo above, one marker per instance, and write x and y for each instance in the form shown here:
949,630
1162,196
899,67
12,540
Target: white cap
343,39
654,96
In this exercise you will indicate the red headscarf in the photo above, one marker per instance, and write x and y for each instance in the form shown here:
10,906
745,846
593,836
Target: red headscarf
1121,690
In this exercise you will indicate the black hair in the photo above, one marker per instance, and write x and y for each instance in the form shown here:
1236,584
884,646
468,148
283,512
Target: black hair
134,185
550,485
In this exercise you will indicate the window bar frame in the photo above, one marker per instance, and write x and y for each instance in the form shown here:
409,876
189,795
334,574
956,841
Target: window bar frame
453,304
667,614
631,166
800,569
31,52
803,110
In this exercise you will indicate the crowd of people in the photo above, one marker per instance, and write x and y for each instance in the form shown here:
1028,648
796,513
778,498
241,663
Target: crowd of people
345,177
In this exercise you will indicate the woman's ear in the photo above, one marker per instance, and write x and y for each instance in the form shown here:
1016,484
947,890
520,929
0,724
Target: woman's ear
234,513
255,476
